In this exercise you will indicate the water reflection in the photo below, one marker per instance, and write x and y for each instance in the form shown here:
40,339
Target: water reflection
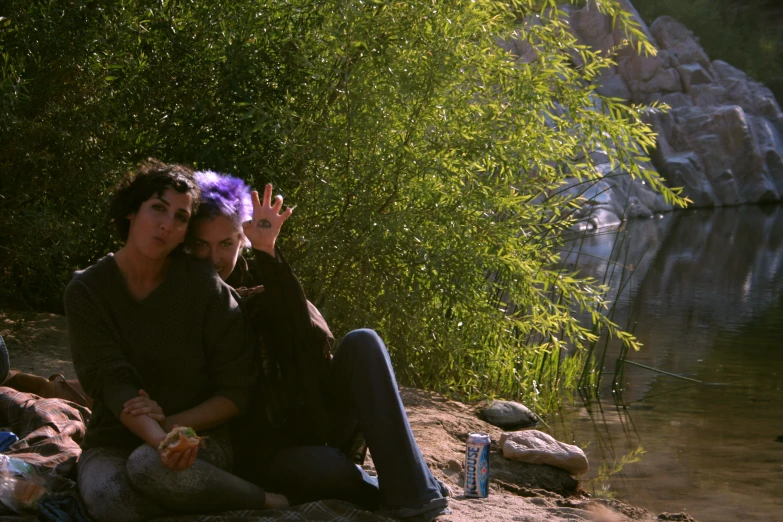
706,299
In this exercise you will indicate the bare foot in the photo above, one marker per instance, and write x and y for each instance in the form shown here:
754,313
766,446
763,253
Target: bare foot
275,501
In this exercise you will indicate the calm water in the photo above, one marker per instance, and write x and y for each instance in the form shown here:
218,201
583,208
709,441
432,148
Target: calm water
707,302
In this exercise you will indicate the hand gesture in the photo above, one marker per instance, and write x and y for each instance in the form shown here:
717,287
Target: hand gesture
263,229
143,405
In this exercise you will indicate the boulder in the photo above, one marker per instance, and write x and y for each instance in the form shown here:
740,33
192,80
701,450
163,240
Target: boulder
680,42
716,154
674,100
665,80
635,209
613,86
592,28
693,74
537,447
509,415
683,170
705,95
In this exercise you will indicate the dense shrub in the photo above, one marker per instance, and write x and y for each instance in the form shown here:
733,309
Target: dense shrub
424,161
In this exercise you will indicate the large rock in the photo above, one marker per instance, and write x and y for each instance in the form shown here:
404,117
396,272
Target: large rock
509,415
680,43
536,447
718,154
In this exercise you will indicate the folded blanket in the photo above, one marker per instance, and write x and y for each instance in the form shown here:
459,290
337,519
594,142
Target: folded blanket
50,430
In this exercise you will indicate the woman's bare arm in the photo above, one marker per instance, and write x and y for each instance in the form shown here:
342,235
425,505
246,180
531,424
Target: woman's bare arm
144,427
210,413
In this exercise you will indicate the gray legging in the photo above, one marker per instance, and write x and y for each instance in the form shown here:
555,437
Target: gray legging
124,486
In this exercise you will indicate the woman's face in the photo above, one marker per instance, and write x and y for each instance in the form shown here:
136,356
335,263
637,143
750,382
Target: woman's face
160,224
218,240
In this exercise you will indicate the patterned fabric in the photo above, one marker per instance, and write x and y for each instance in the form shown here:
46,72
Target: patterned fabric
322,511
50,430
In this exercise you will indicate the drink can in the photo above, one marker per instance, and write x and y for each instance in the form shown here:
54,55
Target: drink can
477,465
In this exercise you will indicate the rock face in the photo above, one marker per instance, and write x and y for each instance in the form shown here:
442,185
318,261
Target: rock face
509,415
722,140
537,447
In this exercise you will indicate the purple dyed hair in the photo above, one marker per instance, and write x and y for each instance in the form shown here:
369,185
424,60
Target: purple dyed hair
224,195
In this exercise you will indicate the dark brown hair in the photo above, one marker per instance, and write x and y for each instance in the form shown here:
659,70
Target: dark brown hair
150,179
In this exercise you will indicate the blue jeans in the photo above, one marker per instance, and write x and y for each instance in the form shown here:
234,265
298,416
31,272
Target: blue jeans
364,396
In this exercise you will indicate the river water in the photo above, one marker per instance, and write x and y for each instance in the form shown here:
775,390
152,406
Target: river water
706,300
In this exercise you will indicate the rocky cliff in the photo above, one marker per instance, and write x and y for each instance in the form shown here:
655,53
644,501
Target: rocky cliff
722,140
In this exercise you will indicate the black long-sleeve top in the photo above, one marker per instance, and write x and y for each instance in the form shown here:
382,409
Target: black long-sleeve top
182,344
293,343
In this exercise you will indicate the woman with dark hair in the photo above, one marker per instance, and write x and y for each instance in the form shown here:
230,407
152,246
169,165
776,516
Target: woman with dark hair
312,411
151,319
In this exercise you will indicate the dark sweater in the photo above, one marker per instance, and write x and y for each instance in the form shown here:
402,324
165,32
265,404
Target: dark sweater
182,344
289,403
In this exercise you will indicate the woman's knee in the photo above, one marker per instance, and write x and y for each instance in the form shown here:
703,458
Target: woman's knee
364,344
107,494
151,478
145,469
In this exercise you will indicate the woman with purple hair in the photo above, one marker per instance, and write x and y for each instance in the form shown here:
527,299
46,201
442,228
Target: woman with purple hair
311,412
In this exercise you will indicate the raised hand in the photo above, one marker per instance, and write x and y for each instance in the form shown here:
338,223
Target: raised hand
263,229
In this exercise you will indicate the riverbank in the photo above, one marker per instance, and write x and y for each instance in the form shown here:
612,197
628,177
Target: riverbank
38,343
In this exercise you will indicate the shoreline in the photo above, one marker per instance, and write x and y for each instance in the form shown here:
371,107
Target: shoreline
38,343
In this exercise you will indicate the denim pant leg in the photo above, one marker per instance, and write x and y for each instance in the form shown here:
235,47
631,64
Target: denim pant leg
365,392
310,473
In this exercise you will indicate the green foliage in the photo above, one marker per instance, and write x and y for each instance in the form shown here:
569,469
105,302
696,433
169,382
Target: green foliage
748,34
425,163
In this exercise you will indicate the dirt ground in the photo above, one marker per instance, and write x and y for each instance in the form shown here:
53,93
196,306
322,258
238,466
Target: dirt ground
38,343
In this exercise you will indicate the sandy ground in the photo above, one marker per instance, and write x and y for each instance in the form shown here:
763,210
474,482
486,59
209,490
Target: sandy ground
38,343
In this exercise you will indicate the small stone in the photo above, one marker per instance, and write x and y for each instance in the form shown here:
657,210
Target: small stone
536,447
509,415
